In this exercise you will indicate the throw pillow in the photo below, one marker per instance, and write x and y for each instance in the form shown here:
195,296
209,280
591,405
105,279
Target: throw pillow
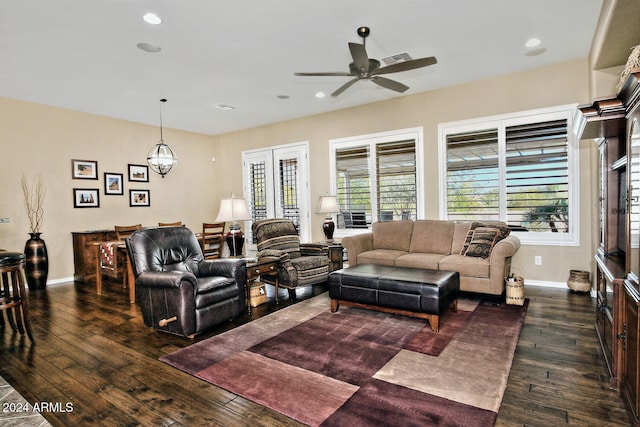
482,241
503,231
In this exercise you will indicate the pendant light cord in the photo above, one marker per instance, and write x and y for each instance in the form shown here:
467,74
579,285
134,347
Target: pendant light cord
162,101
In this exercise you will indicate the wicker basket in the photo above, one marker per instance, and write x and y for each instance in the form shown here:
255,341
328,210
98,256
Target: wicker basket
515,290
257,295
579,281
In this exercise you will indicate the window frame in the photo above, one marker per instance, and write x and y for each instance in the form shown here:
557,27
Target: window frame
371,140
501,123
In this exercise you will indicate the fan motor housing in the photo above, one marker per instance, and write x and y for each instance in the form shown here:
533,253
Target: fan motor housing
374,64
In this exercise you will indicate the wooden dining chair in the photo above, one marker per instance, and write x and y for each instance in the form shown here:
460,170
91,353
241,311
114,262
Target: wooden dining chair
124,231
212,239
170,224
112,257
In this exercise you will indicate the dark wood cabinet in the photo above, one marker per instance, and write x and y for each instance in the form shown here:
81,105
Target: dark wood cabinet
84,252
630,383
615,123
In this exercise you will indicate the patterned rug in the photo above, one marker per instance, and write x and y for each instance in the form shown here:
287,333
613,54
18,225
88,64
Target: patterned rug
363,368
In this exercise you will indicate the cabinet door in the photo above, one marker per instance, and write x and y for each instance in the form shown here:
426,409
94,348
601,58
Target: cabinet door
631,361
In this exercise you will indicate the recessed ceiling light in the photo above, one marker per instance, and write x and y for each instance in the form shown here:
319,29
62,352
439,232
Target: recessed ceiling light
152,18
225,107
536,52
320,95
533,42
148,47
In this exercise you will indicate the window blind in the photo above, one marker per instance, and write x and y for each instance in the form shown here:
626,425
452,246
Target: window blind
396,180
289,196
537,176
473,175
353,181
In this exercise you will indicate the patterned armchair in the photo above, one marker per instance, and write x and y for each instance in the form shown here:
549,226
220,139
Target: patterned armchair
300,264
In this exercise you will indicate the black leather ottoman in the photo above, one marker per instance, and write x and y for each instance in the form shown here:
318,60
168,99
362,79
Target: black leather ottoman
411,292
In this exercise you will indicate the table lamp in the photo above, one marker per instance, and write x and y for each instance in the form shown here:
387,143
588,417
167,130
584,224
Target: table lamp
234,210
328,205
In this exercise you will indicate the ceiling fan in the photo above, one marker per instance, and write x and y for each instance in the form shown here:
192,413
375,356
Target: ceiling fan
365,68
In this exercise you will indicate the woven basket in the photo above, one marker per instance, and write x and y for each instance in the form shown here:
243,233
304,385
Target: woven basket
257,296
515,290
579,281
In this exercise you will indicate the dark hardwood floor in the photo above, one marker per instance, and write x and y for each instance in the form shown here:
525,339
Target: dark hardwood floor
96,353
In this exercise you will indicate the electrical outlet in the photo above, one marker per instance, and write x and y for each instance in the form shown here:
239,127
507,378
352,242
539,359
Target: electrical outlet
538,260
5,220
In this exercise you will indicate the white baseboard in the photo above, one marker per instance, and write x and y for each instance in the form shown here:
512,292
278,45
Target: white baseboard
545,284
61,281
556,285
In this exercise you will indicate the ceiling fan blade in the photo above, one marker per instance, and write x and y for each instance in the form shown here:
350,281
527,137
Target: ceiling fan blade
389,84
359,55
407,65
338,73
344,87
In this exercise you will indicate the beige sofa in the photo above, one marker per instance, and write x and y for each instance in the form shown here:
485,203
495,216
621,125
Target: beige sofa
439,245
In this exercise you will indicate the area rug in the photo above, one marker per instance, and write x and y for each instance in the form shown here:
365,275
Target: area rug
364,368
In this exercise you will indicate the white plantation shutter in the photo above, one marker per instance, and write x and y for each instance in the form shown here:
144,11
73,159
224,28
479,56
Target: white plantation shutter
521,169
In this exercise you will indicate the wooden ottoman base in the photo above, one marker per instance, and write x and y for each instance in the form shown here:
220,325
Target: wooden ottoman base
434,319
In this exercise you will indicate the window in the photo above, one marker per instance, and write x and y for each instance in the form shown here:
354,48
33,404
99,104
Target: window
520,168
377,178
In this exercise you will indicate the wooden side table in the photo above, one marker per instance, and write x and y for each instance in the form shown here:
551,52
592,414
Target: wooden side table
255,269
336,255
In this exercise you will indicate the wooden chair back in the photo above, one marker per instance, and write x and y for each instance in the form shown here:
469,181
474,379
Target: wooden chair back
170,224
212,239
124,231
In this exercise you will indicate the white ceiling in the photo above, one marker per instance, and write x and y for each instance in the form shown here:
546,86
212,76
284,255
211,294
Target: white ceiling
82,54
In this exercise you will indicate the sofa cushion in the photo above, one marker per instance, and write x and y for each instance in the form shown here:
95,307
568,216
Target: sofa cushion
395,235
432,237
419,260
482,242
465,265
503,231
380,256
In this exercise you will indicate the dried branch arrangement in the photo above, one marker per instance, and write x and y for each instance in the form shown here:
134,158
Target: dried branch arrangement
33,200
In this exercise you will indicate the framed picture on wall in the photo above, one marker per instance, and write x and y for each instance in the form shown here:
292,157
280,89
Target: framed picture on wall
86,198
84,169
138,173
139,198
113,183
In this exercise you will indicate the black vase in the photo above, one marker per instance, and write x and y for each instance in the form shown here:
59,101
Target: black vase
36,262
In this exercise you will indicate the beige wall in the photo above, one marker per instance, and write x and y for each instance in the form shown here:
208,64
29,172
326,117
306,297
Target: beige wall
556,85
36,139
39,139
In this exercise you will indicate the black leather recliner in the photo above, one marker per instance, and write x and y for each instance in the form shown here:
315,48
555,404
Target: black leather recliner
178,291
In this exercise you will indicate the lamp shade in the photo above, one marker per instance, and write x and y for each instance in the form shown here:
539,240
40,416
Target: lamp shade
233,209
328,204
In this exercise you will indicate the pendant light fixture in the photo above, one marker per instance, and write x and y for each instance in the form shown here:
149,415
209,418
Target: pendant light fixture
161,158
